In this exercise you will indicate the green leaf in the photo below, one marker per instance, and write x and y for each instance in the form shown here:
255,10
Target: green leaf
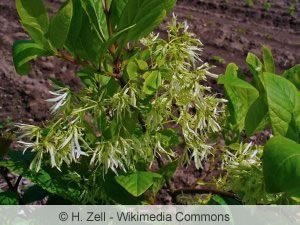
72,43
232,70
103,125
142,64
223,200
87,78
256,68
269,64
145,14
83,39
34,193
152,83
281,166
169,138
297,112
125,127
281,97
37,36
96,15
8,198
132,70
57,200
34,18
50,179
219,200
145,54
111,187
130,122
112,40
257,118
137,183
240,93
60,25
294,127
234,146
109,85
166,171
293,75
117,8
146,74
89,42
25,51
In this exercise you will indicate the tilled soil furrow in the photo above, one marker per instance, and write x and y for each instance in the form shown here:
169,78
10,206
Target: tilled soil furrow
223,34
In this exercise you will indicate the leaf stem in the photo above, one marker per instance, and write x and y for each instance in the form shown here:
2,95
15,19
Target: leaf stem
70,58
107,12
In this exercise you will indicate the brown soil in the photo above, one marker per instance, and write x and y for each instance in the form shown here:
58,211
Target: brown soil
22,98
231,30
227,30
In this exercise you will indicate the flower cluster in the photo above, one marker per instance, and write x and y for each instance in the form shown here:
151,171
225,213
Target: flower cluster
114,127
197,110
243,164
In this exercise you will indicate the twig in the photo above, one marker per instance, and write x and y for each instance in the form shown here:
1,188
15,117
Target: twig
204,191
110,74
18,182
69,58
4,172
174,193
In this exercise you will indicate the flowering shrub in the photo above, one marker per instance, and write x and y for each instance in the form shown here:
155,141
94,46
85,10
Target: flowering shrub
142,97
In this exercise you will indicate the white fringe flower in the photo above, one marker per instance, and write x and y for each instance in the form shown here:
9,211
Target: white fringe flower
62,97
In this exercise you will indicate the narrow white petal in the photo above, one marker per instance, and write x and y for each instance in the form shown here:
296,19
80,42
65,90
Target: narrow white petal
66,141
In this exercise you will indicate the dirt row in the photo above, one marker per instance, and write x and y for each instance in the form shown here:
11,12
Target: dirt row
230,30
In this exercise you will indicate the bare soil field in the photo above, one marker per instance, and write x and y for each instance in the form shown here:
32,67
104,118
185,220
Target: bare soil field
228,29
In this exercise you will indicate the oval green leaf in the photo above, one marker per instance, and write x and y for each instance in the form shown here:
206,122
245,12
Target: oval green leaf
256,68
132,70
152,83
142,64
137,183
293,75
281,98
145,14
60,25
34,18
269,64
240,93
281,166
8,198
25,51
